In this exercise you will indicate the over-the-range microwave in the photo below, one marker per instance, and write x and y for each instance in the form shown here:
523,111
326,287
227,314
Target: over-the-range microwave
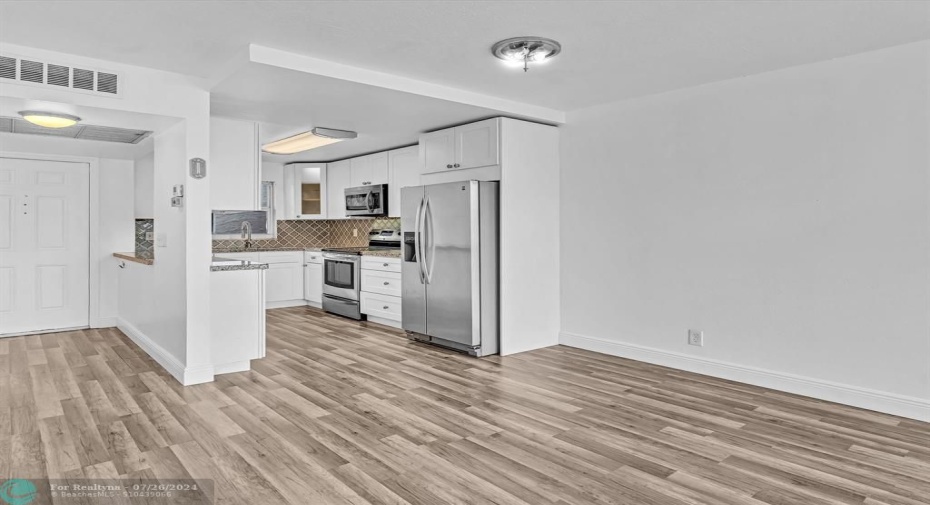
369,200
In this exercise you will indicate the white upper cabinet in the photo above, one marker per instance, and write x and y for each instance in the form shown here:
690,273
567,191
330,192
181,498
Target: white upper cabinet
468,146
305,191
235,166
403,170
338,178
477,144
368,170
437,150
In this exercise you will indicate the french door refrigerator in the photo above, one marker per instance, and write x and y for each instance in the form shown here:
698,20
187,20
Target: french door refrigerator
450,267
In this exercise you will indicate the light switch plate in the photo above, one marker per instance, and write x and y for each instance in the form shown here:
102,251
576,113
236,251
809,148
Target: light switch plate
161,240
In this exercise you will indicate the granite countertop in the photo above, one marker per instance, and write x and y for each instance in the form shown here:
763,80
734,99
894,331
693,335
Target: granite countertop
260,249
383,253
131,256
221,264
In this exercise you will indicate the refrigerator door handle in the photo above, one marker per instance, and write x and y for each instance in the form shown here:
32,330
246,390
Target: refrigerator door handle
430,243
418,242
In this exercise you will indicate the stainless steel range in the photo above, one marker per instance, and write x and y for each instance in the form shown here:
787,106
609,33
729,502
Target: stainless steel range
341,273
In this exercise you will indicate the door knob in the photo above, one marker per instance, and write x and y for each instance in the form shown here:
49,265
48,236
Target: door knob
448,166
457,165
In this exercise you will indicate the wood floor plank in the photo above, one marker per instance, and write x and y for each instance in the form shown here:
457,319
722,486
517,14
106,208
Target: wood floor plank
342,412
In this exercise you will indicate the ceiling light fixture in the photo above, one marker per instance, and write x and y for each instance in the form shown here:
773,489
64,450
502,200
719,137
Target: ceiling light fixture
49,119
317,137
526,50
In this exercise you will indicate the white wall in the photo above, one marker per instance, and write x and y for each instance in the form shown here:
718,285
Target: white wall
144,189
116,231
185,103
784,214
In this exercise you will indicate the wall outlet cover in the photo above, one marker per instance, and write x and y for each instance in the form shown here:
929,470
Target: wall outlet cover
696,337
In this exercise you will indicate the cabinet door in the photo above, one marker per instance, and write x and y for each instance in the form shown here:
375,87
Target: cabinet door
368,170
313,282
404,170
360,169
477,144
437,150
338,178
236,171
284,281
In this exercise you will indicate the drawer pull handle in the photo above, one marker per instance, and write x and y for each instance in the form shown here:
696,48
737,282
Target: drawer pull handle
385,264
386,283
386,307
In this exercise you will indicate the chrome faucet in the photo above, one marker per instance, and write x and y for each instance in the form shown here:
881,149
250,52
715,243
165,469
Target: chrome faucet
246,233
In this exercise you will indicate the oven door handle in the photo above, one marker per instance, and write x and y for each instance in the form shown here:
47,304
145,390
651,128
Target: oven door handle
370,201
418,242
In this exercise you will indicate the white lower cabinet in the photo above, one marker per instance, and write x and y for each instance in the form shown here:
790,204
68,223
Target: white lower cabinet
383,306
313,277
381,289
284,282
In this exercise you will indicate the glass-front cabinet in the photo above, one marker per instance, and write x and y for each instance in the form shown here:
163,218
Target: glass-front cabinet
304,191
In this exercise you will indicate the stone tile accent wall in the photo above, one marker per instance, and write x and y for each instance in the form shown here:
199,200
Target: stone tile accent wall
304,234
145,248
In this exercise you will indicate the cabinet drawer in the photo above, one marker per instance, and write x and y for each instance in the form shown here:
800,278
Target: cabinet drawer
313,257
379,263
385,283
272,257
387,307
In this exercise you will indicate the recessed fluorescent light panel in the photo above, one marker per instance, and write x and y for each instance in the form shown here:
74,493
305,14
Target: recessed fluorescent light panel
317,137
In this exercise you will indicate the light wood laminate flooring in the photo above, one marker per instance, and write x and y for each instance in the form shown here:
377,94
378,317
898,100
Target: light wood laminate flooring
347,412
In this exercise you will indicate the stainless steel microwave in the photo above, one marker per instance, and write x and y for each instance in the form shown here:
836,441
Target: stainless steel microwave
367,200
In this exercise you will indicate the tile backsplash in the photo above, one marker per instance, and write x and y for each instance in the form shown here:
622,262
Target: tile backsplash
301,234
145,243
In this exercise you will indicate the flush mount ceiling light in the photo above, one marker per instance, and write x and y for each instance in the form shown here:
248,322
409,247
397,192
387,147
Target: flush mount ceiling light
526,50
49,119
317,137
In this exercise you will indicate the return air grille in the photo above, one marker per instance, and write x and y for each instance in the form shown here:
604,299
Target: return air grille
61,76
7,67
31,71
80,131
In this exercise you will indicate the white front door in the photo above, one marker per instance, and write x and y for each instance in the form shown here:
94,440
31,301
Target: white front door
44,245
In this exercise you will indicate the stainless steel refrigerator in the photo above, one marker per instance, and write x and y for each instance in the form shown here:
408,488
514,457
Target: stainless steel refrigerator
450,268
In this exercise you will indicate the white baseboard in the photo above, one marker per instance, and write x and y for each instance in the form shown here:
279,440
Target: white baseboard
904,406
104,322
236,366
285,303
187,376
385,322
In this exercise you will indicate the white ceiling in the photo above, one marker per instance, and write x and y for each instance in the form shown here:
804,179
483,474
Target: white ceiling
286,102
612,50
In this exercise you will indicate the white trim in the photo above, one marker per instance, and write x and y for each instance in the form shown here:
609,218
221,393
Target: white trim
171,364
105,322
93,215
904,406
167,361
385,322
293,61
43,332
235,366
285,303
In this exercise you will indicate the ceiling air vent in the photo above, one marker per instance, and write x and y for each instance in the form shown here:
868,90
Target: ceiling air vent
61,76
78,131
7,67
58,75
106,83
31,71
83,79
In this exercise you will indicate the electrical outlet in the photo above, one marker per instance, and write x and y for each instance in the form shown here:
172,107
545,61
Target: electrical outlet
696,337
149,236
354,232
